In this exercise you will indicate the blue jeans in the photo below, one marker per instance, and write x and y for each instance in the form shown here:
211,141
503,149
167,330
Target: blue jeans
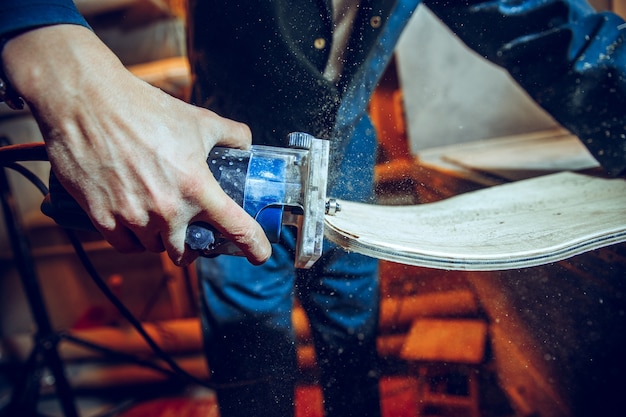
246,317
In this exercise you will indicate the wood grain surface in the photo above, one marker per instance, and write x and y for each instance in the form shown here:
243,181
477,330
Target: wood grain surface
521,224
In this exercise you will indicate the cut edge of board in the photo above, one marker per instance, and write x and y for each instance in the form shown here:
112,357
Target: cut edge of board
466,263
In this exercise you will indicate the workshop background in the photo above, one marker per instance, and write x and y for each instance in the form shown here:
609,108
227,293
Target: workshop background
541,342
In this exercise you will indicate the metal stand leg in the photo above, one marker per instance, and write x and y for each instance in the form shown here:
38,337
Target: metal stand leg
45,353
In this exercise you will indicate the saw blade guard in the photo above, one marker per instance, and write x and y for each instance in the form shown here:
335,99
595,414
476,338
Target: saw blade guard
311,228
278,186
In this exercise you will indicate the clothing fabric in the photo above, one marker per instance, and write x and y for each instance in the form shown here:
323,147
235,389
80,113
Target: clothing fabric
344,12
17,16
569,59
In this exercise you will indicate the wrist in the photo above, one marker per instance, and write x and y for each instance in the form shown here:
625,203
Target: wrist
49,66
8,94
24,58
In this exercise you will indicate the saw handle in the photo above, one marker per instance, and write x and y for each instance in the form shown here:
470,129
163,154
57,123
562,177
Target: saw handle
66,212
59,205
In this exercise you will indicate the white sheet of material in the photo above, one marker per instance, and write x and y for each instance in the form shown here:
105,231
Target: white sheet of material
515,225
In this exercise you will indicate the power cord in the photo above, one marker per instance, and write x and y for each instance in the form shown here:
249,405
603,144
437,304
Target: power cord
10,155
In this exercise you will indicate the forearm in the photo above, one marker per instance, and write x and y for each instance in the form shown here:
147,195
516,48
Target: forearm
571,61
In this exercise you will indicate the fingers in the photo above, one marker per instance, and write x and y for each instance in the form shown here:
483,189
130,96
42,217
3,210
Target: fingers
217,208
126,238
166,230
241,229
230,220
123,240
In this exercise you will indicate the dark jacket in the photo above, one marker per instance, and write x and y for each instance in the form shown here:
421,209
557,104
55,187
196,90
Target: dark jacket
19,15
261,62
257,61
570,60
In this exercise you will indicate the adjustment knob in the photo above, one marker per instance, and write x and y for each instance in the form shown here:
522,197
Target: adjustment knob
300,140
200,236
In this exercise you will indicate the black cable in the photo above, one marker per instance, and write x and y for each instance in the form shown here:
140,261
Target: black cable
8,157
121,356
29,175
93,273
22,153
33,152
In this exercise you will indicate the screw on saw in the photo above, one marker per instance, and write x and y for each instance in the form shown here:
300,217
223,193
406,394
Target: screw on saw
332,206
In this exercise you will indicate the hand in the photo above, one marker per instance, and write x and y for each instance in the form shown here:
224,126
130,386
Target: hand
131,155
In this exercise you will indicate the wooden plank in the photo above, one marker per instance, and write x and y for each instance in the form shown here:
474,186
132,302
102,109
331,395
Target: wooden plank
522,224
515,157
440,340
398,312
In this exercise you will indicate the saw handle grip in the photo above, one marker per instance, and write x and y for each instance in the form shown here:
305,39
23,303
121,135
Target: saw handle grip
59,205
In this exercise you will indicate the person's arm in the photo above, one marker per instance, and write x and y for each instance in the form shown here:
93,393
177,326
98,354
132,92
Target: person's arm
131,155
570,59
